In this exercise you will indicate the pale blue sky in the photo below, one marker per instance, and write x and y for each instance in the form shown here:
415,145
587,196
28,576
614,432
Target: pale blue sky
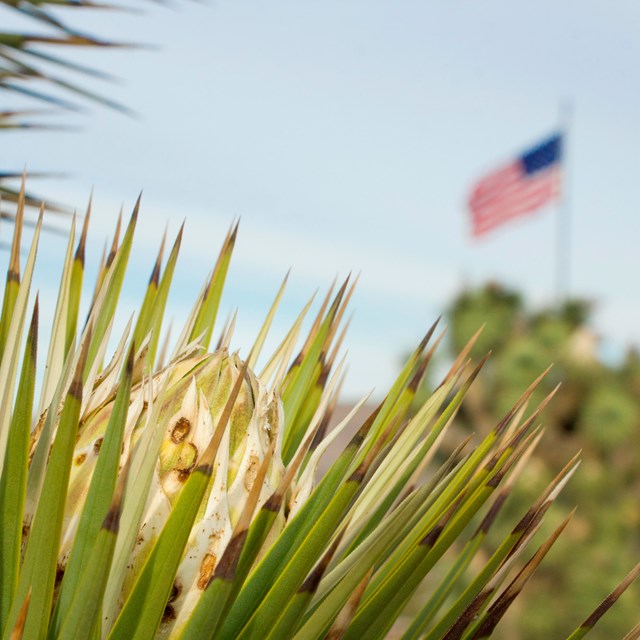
346,135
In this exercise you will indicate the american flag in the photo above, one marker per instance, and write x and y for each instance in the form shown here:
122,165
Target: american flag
523,186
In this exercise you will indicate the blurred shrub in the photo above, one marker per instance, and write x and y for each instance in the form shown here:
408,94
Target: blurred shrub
597,409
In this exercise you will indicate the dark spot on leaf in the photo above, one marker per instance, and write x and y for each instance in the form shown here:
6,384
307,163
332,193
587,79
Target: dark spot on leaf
180,430
81,458
96,445
187,461
176,590
59,574
183,474
169,614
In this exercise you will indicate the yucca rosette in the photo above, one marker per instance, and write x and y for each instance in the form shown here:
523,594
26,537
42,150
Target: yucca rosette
191,396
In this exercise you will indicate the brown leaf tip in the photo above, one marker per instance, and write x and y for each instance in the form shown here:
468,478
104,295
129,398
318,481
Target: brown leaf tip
111,521
136,209
204,468
273,503
75,390
313,580
495,479
414,383
155,274
33,334
492,514
234,233
611,599
80,250
528,521
130,359
360,472
297,361
360,435
430,539
425,340
226,569
324,376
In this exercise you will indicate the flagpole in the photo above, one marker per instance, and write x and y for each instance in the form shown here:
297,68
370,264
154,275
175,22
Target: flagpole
563,212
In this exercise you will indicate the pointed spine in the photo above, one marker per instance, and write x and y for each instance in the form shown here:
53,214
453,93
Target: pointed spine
13,273
75,288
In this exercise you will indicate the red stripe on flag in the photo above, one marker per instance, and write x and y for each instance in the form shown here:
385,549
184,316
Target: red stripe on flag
498,180
533,189
510,193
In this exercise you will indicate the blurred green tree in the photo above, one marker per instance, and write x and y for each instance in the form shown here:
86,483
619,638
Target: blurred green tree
597,410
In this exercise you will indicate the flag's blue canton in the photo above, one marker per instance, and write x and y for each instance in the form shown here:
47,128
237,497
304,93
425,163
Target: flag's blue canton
542,156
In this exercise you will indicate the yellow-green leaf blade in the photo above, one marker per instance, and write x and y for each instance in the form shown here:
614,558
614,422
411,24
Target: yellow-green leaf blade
40,561
98,497
13,484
